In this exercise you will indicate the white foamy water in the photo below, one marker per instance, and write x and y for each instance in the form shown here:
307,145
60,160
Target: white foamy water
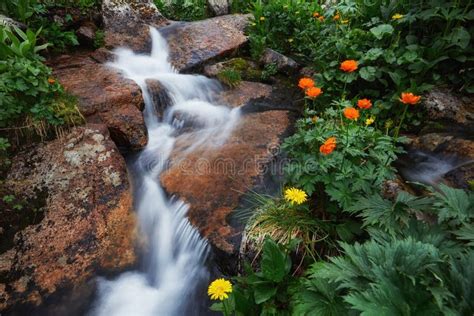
174,263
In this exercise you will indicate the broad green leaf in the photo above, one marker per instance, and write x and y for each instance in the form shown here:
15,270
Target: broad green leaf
381,30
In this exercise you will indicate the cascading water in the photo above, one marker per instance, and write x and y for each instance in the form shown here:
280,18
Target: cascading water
174,264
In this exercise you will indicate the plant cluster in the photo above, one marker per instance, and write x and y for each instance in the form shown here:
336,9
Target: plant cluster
183,10
399,45
30,97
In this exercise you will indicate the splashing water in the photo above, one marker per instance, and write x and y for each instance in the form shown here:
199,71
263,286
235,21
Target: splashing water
174,263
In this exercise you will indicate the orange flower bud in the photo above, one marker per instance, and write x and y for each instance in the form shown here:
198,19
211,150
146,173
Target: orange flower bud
409,98
364,104
348,65
51,81
313,92
306,83
351,113
328,146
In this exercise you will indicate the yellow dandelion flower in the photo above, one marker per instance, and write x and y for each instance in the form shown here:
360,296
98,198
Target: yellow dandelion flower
295,196
262,18
219,289
397,16
370,121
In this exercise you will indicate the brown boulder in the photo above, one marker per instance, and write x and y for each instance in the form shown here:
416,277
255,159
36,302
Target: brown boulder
442,104
104,96
243,93
192,44
213,181
126,23
88,224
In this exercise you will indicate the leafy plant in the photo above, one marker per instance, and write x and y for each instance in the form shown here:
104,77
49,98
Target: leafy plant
358,166
30,97
263,292
284,223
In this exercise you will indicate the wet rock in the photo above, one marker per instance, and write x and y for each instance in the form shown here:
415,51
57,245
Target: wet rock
247,69
283,64
104,96
442,104
88,223
244,92
455,151
194,43
214,180
126,23
219,7
86,34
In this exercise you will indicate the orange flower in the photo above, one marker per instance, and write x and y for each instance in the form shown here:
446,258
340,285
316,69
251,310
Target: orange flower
351,113
328,146
321,18
348,65
313,92
364,104
409,98
306,83
314,119
336,17
51,81
316,14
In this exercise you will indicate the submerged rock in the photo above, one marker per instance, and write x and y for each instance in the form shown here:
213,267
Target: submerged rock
88,223
194,43
449,156
214,180
104,96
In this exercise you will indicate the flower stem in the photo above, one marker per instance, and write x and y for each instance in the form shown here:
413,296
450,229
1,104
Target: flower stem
226,308
397,131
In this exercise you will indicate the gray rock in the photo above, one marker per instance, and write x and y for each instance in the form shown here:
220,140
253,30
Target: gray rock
283,63
86,34
219,7
442,104
6,21
126,23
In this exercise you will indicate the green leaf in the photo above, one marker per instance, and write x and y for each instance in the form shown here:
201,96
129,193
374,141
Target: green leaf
264,292
368,73
460,37
381,30
275,263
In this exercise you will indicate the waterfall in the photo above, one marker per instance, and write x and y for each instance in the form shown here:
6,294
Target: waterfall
175,256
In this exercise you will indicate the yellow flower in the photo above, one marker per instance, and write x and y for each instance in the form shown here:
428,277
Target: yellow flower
345,21
370,121
262,18
397,16
290,40
253,24
295,196
219,289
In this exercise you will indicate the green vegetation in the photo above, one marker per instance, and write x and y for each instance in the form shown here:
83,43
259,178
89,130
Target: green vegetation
354,251
183,10
399,45
229,77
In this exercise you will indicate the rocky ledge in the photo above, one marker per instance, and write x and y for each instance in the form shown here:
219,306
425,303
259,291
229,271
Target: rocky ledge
88,225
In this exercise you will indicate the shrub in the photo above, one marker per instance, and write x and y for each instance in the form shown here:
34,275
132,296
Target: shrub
357,166
28,91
